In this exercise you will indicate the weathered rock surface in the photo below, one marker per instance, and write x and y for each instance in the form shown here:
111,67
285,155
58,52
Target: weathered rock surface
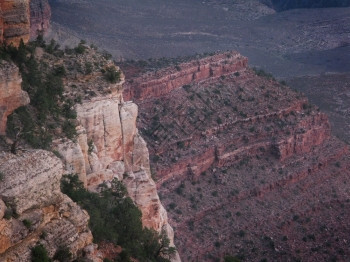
14,21
11,94
40,15
31,189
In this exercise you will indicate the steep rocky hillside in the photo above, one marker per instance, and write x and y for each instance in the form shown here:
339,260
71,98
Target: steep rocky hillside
244,165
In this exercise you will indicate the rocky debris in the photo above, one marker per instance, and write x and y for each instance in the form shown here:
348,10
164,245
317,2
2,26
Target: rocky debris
14,21
11,94
36,210
40,15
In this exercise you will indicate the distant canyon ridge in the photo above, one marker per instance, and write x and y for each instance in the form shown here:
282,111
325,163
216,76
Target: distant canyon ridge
292,43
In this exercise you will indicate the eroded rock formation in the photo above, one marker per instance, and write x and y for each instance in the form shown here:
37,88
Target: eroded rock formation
11,94
36,211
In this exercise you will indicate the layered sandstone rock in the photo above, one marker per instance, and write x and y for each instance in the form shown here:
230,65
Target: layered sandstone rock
40,15
11,94
30,189
14,21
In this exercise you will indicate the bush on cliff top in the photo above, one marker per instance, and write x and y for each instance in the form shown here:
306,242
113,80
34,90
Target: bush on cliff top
115,218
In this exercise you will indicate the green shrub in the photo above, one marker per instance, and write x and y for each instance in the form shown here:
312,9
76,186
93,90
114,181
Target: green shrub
27,223
231,259
112,75
8,213
80,49
39,254
63,254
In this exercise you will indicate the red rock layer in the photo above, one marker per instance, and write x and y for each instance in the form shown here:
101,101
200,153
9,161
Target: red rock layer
164,81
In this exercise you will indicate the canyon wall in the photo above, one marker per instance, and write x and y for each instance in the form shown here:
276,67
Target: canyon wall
11,94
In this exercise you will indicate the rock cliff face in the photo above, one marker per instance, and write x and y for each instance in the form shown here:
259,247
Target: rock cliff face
108,128
14,21
30,188
40,15
11,94
236,156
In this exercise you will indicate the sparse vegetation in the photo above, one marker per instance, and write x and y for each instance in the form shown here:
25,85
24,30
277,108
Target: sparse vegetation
115,218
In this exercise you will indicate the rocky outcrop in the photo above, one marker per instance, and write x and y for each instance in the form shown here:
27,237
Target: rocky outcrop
116,151
14,21
11,94
162,82
36,210
40,15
